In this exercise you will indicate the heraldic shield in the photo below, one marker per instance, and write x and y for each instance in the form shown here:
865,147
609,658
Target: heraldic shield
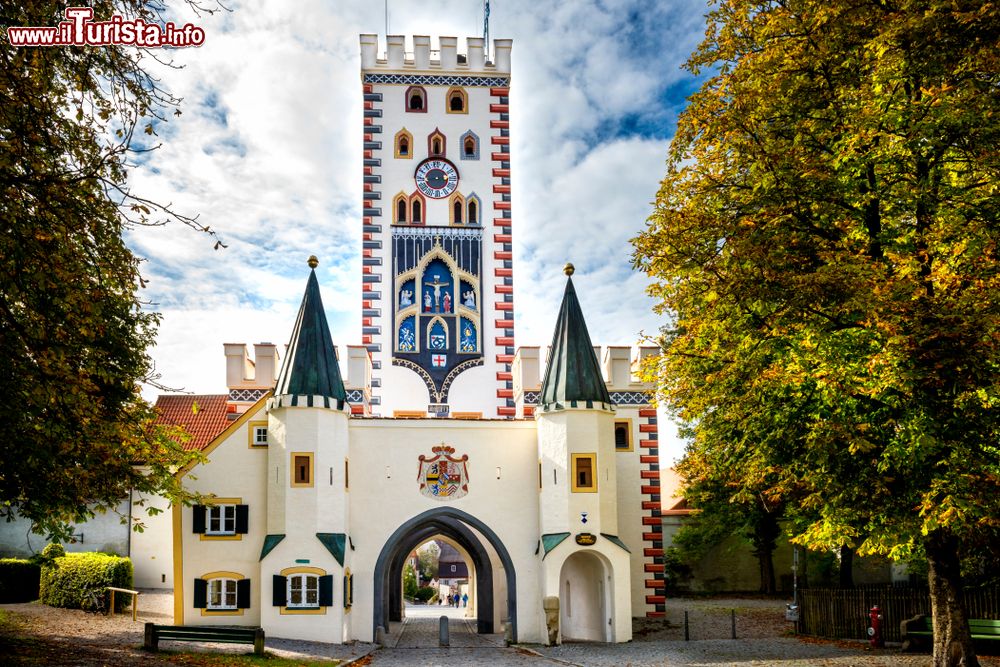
442,476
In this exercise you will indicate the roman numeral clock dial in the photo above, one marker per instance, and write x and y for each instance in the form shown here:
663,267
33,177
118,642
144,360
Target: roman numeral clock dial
436,178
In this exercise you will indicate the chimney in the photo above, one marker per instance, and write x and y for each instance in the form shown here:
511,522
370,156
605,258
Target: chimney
396,49
238,365
369,51
617,366
449,54
265,364
501,51
421,52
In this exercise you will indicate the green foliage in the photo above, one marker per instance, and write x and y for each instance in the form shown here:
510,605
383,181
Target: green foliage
69,580
424,593
73,332
18,580
409,582
53,550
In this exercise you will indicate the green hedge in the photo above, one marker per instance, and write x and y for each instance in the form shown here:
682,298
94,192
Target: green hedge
18,580
67,581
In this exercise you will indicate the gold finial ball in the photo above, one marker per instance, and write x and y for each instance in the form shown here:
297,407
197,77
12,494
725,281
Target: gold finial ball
313,262
568,269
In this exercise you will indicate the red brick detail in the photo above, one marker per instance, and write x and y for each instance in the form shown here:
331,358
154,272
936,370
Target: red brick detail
529,411
367,154
649,490
647,428
499,91
649,444
503,289
652,567
368,137
656,599
505,358
652,537
649,474
499,108
656,584
501,238
652,520
500,141
502,206
368,171
501,189
648,551
650,504
501,222
366,252
366,88
505,393
503,255
505,377
366,321
500,157
369,105
500,124
503,324
501,173
503,272
368,187
505,305
366,304
357,409
507,412
656,614
647,412
647,458
504,341
366,340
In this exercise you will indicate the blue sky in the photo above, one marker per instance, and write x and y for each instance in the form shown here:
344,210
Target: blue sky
268,153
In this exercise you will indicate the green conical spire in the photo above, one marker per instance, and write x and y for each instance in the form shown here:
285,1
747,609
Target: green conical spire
573,375
310,368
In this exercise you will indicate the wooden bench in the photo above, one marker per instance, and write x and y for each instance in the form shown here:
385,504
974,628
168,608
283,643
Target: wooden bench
135,601
203,633
920,628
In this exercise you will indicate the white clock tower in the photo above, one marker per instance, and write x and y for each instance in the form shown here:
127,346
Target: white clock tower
438,293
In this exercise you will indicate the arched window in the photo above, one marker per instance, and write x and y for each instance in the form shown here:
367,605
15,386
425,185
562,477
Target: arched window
457,212
404,144
472,207
436,144
456,100
416,99
469,146
473,213
400,206
417,210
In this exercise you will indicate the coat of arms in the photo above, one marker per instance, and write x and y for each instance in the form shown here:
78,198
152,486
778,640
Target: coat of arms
442,476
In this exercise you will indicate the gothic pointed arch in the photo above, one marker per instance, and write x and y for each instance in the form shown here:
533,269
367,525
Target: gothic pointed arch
418,209
403,144
401,209
436,144
456,209
469,146
416,99
437,334
456,100
474,209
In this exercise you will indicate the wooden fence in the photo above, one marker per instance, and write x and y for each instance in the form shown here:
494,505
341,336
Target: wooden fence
842,613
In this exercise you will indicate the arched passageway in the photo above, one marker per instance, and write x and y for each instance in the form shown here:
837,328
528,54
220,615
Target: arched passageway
584,595
457,526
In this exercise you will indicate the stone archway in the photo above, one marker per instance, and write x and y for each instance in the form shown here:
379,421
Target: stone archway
584,598
455,524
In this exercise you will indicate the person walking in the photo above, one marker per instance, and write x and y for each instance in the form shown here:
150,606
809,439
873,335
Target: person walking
465,599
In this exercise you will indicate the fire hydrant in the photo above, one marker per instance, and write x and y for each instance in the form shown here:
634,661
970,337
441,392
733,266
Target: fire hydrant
875,628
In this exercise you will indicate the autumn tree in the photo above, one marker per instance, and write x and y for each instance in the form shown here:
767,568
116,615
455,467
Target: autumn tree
73,331
827,234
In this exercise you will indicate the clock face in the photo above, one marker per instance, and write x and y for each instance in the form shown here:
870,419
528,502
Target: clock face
436,178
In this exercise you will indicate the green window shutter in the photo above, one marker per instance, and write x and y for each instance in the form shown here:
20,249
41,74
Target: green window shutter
242,519
199,518
279,596
200,593
326,590
243,594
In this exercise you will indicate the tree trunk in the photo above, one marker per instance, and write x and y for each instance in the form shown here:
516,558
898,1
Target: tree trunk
952,641
766,560
846,567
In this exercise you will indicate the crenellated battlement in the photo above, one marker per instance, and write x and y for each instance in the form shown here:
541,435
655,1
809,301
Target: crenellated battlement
445,58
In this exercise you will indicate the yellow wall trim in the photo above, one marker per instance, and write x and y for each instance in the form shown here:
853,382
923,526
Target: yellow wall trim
307,611
303,569
232,428
576,458
251,427
627,423
222,574
178,543
291,468
222,612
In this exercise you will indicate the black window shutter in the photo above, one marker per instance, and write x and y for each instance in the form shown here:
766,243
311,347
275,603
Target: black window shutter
242,519
326,590
199,518
243,594
200,593
350,588
280,594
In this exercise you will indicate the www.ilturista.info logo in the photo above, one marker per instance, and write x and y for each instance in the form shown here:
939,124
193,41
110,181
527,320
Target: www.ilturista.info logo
79,29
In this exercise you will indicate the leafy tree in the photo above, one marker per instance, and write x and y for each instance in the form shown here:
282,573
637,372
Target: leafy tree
409,582
428,557
73,332
826,242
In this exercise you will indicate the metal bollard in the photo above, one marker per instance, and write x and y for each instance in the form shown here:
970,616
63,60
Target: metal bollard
734,622
443,639
687,635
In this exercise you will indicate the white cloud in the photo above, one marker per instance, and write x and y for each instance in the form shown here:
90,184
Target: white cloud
267,151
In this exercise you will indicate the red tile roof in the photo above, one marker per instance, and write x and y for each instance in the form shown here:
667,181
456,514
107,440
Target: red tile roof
204,417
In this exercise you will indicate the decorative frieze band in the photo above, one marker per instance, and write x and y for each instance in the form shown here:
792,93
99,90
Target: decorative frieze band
435,80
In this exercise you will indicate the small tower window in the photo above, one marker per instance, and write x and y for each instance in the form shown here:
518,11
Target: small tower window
416,99
623,436
457,101
469,144
470,147
473,217
302,469
401,210
458,212
404,144
584,466
417,213
436,144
